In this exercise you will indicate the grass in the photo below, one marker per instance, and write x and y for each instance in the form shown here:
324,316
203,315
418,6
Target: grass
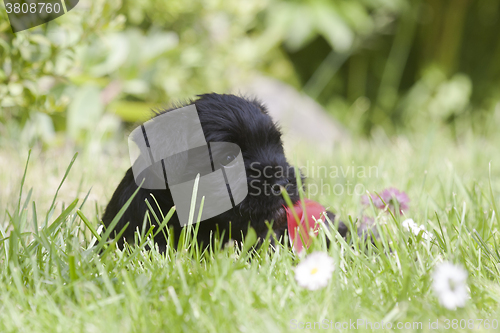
53,280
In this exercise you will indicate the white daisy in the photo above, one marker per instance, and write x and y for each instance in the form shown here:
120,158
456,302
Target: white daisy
450,285
410,225
314,271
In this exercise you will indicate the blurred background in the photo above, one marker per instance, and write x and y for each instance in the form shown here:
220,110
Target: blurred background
398,66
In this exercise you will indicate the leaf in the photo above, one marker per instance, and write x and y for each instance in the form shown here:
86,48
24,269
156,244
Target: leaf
250,239
159,43
118,46
132,111
329,24
84,111
300,28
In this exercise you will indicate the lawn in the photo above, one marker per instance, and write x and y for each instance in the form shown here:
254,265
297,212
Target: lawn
56,276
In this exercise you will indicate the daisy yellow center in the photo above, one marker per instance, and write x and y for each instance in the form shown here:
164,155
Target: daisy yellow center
314,270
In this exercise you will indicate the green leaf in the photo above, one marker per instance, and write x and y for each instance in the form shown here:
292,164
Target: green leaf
85,110
329,23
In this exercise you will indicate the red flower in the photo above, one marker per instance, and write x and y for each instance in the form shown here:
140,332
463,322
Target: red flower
298,230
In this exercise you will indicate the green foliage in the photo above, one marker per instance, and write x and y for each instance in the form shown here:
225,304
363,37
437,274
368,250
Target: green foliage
409,54
171,51
92,62
371,63
36,65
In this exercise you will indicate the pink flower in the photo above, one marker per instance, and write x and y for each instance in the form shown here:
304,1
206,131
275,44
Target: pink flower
390,196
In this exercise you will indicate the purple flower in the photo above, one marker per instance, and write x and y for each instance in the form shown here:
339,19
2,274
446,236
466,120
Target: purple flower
390,196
